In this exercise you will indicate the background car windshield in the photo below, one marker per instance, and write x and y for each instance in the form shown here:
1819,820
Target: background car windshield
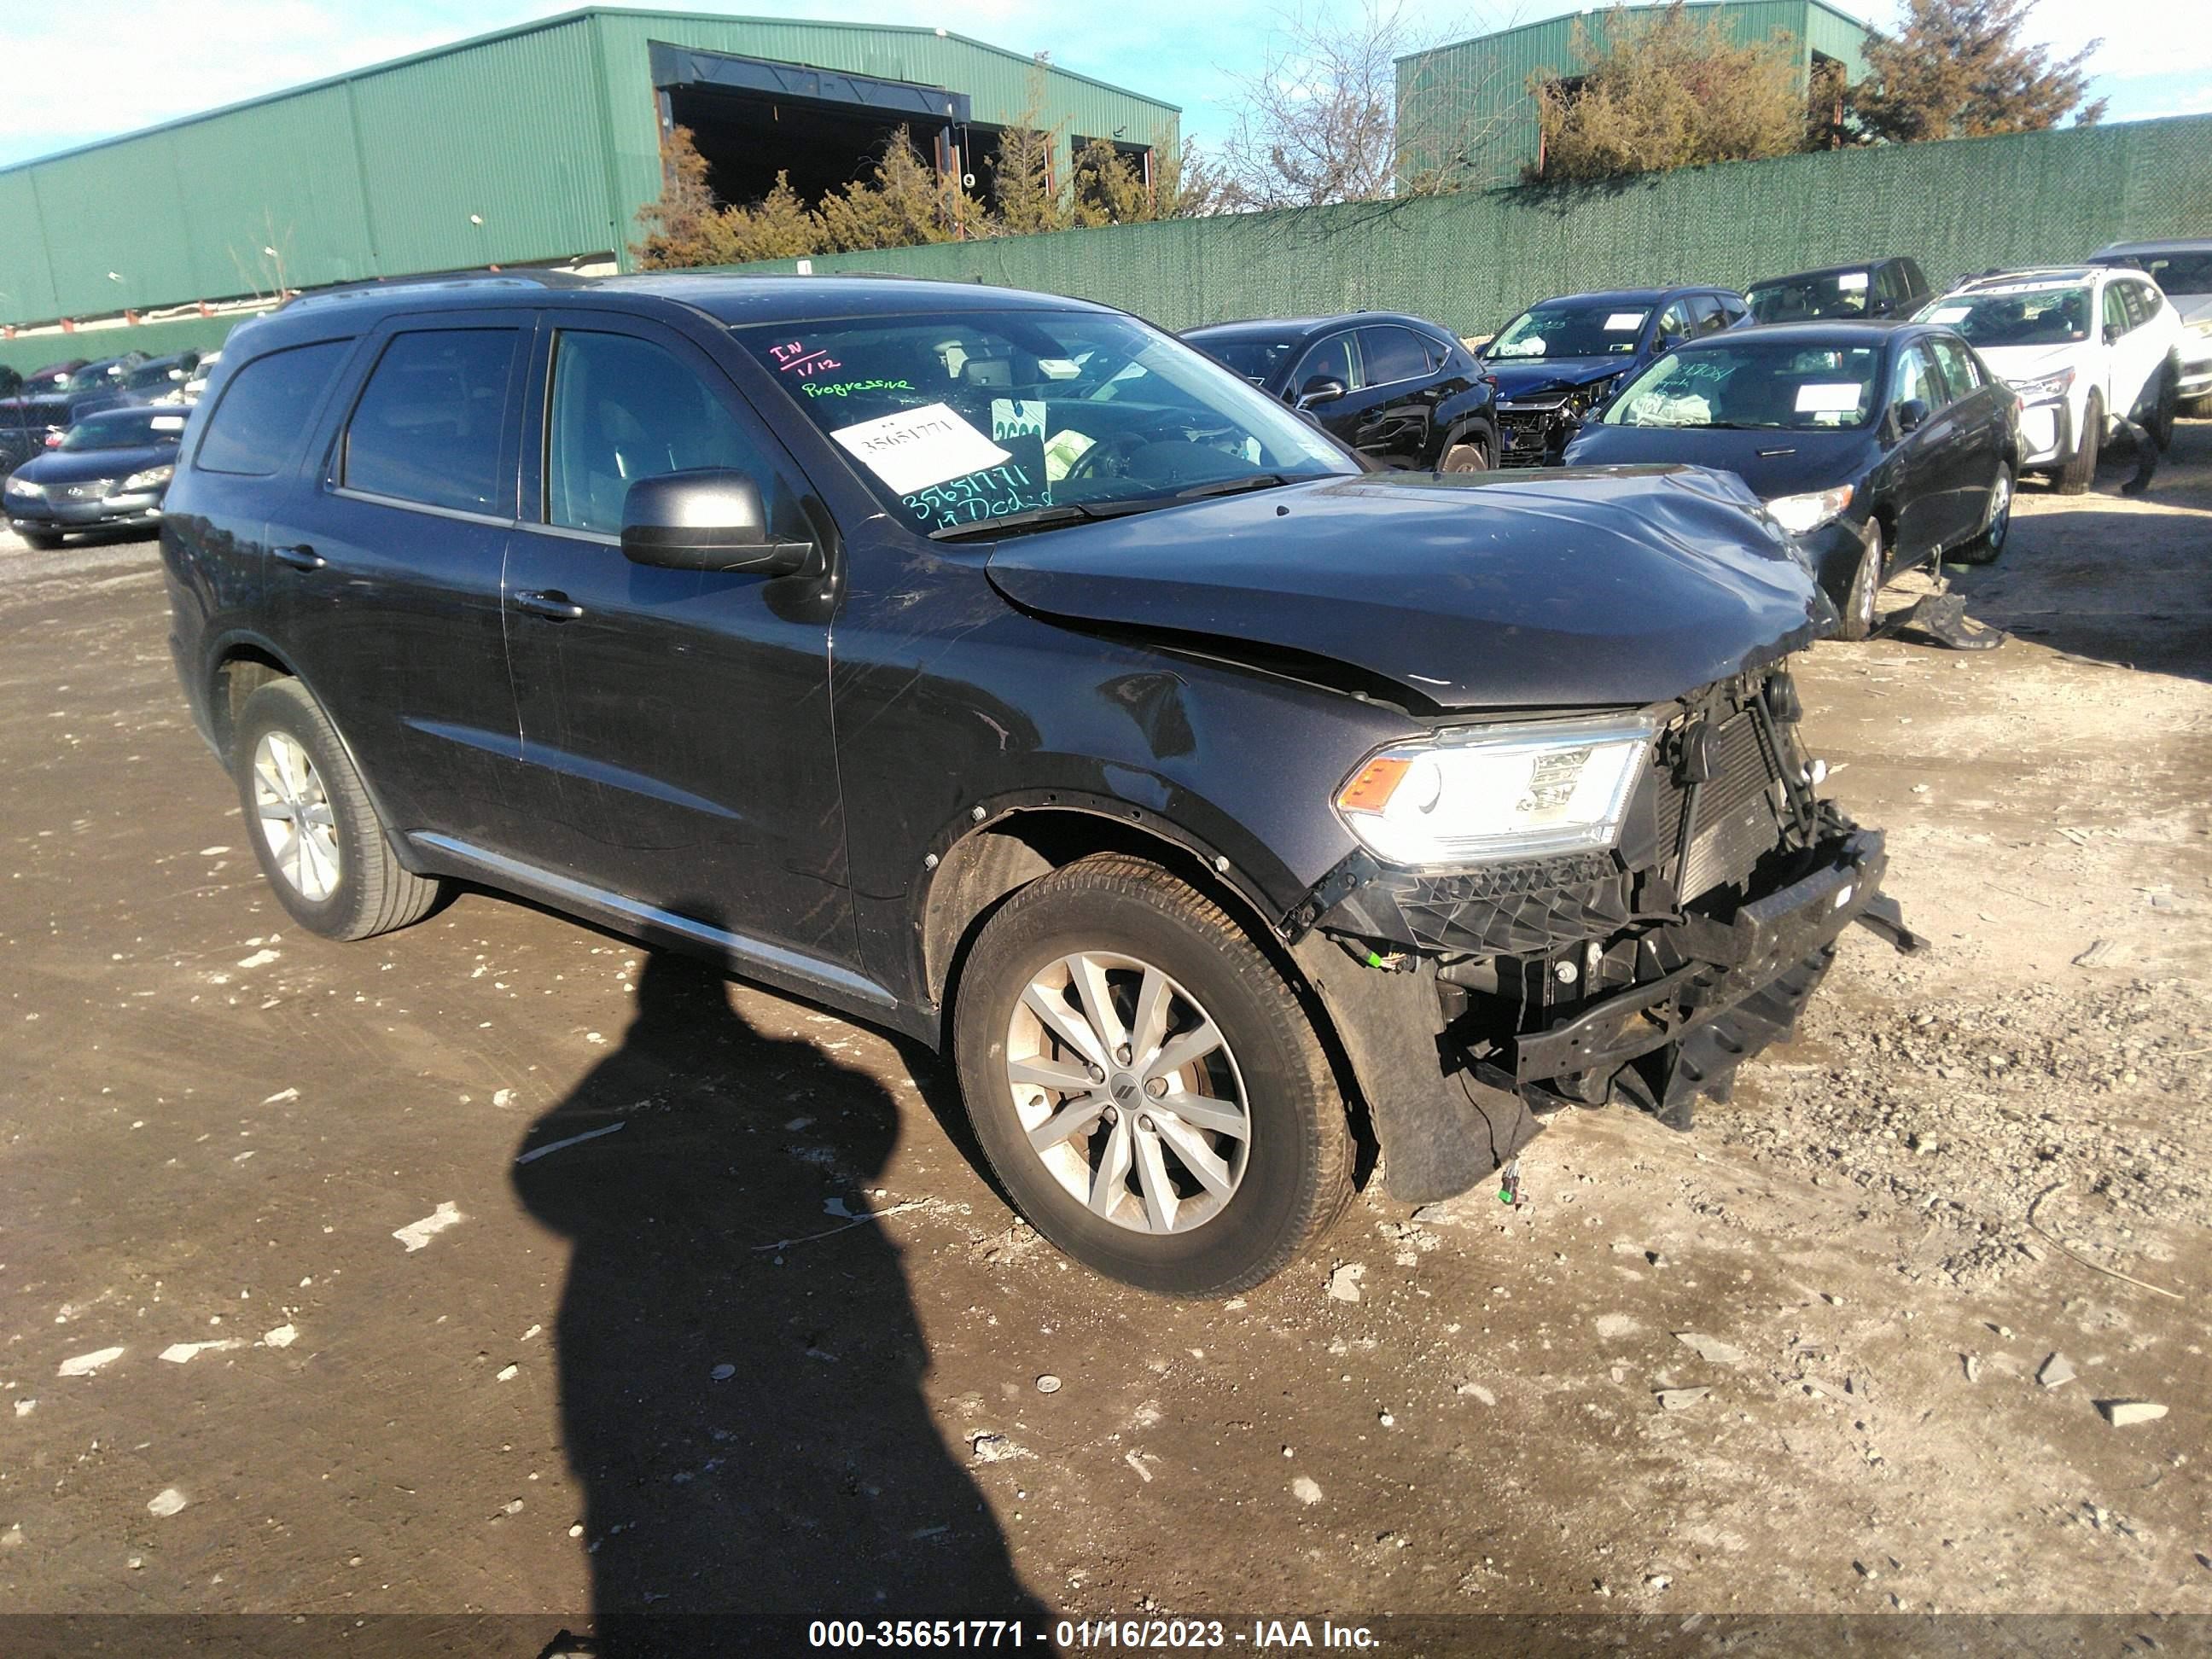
2016,316
2177,273
1842,294
1575,331
956,419
1793,387
1256,360
130,429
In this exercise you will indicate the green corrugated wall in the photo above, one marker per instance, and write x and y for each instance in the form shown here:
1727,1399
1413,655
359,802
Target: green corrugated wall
546,134
1471,98
1472,261
29,351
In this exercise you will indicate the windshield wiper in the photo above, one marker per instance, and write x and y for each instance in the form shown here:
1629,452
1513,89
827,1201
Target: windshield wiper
1242,481
1032,518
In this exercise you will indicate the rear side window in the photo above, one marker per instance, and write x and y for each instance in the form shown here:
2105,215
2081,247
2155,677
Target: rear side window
430,421
264,410
1393,354
2142,304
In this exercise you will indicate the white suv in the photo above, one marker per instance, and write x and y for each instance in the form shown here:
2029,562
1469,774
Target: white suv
2183,272
2083,346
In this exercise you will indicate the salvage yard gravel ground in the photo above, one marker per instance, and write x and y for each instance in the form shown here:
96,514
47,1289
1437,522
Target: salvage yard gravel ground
1786,1363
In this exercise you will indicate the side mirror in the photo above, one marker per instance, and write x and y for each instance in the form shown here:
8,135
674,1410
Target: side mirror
709,520
1322,389
1912,414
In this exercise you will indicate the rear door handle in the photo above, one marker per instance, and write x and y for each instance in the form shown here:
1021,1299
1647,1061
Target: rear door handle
554,605
301,557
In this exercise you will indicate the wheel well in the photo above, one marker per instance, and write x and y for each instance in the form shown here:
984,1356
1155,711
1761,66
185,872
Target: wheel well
243,671
984,869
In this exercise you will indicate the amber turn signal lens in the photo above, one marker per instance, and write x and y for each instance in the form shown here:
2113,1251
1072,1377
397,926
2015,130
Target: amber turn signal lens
1377,780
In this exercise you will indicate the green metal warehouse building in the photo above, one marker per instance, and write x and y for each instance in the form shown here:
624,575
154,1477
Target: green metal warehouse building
1470,101
535,145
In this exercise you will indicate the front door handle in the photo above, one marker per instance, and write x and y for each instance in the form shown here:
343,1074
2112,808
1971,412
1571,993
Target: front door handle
302,557
554,605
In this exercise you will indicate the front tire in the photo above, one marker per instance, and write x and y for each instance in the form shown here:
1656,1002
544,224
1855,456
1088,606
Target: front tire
41,541
1146,1085
1468,454
1996,523
318,839
2080,469
2164,407
1858,606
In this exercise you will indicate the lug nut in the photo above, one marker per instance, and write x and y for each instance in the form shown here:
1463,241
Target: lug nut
1156,1087
1145,1124
1097,1073
1122,1054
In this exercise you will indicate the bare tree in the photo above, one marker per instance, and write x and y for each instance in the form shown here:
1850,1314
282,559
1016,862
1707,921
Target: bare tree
1322,120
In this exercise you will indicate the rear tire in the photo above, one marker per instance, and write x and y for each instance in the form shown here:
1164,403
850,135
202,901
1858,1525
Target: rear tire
1117,1192
1989,542
318,839
2080,469
1858,605
2163,410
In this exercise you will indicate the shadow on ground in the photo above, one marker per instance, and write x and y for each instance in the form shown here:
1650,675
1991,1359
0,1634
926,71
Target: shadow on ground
746,1417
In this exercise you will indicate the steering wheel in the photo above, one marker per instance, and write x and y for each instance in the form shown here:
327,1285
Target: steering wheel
1121,446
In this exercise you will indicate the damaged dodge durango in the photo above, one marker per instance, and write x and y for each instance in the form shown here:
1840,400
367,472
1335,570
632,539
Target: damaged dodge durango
994,668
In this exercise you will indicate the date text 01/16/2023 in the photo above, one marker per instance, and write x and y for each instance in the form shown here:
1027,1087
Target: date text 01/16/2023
1127,1635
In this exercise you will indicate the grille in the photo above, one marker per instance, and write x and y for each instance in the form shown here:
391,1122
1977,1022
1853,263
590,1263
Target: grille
1736,820
1529,432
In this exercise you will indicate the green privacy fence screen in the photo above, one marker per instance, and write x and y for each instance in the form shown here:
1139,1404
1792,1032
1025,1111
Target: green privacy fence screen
1472,261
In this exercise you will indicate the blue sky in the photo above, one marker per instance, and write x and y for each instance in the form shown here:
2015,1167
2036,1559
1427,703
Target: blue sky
91,68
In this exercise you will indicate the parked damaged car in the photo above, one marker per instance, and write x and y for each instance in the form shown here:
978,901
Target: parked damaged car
1881,446
1559,360
2183,272
1402,391
1202,794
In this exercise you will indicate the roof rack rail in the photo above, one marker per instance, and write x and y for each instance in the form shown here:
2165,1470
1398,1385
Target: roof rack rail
487,275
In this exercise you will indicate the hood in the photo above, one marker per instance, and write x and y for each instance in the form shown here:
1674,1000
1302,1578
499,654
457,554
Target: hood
1549,590
60,466
2032,362
1524,377
1771,462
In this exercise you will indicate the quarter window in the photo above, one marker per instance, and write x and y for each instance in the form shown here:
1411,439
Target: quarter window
622,409
428,425
257,425
1394,354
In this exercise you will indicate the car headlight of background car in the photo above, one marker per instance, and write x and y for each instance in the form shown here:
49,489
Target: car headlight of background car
151,477
29,489
1476,794
1799,515
2050,385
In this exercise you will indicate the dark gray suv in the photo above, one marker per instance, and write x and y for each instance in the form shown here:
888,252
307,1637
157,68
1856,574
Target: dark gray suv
996,668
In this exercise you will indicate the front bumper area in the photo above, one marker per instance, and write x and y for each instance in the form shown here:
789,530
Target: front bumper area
54,516
2048,433
1741,990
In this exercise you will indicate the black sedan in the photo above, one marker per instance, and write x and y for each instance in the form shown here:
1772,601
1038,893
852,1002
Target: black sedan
1561,358
1871,288
109,472
1880,445
1401,391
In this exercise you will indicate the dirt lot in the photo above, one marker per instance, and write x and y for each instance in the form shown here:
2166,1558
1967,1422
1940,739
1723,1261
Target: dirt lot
663,1366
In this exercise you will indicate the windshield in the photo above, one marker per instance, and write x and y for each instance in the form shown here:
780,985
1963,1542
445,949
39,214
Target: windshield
1256,360
2017,314
124,430
1790,387
1574,330
147,374
958,419
95,374
1803,299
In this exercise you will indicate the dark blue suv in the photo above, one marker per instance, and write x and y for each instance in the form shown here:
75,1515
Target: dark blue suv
996,668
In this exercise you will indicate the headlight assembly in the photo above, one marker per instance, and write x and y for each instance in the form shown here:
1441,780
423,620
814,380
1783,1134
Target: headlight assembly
150,477
2050,385
1475,794
29,489
1799,513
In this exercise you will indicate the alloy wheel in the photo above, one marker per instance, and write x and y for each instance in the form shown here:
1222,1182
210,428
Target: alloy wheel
296,822
1999,520
1128,1092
